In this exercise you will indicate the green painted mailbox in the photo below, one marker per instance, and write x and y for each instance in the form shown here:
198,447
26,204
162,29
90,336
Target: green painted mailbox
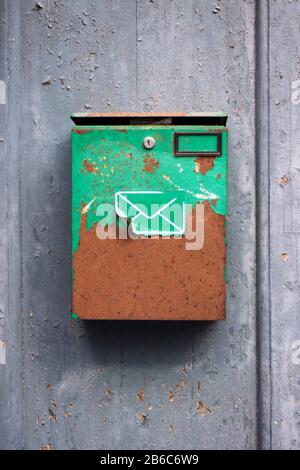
148,216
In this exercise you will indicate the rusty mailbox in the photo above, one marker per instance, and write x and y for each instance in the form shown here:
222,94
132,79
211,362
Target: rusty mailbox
148,216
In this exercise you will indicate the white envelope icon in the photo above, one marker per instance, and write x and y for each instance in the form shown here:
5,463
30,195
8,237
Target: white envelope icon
152,212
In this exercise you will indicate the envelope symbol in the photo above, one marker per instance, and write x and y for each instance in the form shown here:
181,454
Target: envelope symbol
152,212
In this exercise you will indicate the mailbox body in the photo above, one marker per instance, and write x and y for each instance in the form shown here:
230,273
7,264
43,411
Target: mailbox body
148,278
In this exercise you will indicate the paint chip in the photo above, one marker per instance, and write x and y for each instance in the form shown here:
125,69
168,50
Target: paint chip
85,209
39,6
47,80
90,166
285,257
216,9
52,415
143,418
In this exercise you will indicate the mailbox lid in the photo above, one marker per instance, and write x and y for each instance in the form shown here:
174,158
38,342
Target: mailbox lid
146,279
193,118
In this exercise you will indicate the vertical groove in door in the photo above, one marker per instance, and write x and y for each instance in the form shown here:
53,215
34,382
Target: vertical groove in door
264,371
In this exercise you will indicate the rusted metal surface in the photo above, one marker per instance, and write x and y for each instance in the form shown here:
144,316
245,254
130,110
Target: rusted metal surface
204,164
151,279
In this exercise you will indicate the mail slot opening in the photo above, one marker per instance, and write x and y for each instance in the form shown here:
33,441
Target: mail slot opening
198,144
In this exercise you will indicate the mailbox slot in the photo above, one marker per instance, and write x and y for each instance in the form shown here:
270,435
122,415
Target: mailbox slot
140,119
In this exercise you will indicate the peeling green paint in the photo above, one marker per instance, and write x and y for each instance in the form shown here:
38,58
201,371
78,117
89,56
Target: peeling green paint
108,159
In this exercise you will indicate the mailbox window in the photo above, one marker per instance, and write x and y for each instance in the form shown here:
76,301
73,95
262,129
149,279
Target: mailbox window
206,144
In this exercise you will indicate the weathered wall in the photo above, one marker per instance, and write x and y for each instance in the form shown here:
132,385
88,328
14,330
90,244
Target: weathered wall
68,384
284,177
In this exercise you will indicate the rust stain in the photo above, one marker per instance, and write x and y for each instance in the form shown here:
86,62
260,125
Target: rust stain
149,285
82,131
48,446
202,408
143,418
178,388
141,395
108,392
150,164
285,257
90,166
283,181
204,164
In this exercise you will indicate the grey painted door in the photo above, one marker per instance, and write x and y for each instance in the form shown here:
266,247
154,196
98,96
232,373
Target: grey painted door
66,384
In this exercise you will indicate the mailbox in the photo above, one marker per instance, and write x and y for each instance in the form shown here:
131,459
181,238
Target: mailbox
148,216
